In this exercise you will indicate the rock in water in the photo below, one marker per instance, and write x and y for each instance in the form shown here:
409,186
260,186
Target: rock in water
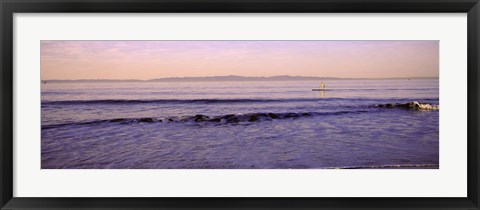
409,105
253,118
149,120
272,115
231,118
200,118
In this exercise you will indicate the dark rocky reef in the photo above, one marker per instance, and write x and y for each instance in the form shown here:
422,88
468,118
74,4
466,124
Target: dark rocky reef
148,120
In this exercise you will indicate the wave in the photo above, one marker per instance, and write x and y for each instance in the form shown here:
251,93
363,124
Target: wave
411,105
250,117
209,101
223,119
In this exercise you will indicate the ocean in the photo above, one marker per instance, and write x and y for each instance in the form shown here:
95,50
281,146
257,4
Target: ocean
240,125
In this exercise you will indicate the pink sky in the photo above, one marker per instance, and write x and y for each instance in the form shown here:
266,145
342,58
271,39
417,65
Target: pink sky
158,59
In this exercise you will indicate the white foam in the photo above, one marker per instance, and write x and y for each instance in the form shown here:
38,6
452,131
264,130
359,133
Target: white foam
429,106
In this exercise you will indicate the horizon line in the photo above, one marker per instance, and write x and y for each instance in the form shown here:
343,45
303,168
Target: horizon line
246,77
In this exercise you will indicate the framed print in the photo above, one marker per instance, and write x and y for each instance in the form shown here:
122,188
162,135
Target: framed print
242,104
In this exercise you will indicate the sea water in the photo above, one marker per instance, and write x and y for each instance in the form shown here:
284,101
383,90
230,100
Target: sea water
239,125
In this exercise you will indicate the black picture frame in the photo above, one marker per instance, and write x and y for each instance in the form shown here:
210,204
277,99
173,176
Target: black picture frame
9,7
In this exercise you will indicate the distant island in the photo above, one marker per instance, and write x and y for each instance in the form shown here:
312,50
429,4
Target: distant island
229,78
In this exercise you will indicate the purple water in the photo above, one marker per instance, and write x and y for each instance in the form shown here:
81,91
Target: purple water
239,125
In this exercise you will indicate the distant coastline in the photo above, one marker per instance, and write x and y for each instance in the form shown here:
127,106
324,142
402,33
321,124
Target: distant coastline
230,78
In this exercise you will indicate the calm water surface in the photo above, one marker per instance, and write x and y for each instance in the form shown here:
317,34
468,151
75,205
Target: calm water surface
239,125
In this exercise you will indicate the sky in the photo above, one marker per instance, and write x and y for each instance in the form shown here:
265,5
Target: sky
159,59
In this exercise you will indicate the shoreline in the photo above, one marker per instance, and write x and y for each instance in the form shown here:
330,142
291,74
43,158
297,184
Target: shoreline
418,166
